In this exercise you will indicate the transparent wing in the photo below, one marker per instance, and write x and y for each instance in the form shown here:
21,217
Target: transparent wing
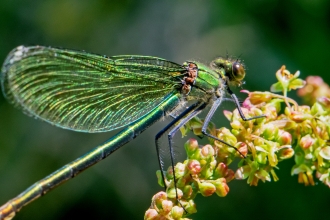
86,92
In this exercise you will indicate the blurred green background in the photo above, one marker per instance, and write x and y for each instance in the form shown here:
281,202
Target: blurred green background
265,34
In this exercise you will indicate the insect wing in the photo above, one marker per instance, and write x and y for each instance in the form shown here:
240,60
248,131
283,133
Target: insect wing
83,91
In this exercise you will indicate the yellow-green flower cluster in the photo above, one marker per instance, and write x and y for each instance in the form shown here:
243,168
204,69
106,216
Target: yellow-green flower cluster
299,130
287,130
200,173
313,146
266,140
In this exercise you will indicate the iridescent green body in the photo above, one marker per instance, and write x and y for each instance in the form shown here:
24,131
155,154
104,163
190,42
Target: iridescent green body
92,93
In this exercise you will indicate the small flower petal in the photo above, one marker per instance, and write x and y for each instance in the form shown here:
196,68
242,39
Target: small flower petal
325,152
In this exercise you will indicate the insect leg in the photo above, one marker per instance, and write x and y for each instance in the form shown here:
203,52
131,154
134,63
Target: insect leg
207,121
183,118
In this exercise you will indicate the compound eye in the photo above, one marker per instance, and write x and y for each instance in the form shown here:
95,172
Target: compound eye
238,72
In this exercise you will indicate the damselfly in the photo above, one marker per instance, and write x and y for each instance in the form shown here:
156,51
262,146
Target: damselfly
91,93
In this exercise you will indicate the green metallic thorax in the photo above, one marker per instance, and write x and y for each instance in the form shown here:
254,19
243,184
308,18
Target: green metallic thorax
208,84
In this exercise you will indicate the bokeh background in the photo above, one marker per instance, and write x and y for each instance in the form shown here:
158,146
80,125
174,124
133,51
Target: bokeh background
265,34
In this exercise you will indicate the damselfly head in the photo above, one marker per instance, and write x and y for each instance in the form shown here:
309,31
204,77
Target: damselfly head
233,70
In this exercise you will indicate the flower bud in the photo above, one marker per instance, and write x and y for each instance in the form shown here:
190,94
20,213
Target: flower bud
179,170
239,175
207,151
221,170
194,167
191,146
208,168
284,138
184,180
167,206
230,175
158,199
306,141
190,207
206,188
151,214
172,193
242,148
221,186
177,212
187,191
285,153
169,173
